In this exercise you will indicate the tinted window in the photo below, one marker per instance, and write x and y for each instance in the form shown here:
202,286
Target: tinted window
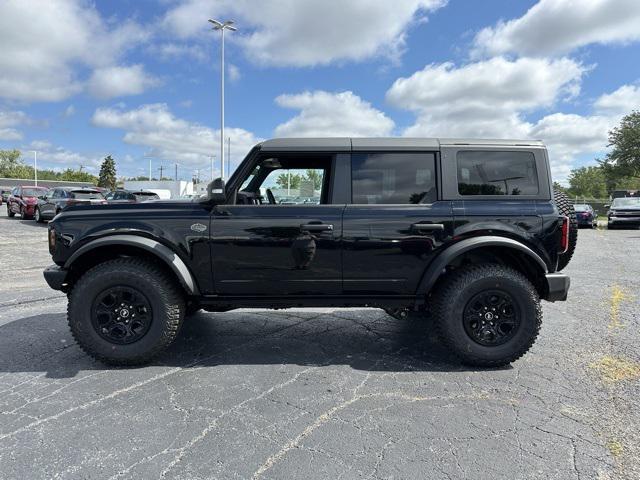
143,196
393,178
497,173
86,195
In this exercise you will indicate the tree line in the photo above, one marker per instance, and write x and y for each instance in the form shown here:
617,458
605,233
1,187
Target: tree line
13,166
619,170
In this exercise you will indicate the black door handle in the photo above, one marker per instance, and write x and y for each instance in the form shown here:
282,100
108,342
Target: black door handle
427,227
316,227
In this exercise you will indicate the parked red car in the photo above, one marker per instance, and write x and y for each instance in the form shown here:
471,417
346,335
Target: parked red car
23,200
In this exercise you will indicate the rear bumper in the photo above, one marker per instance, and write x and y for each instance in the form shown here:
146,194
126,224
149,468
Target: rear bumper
557,287
55,276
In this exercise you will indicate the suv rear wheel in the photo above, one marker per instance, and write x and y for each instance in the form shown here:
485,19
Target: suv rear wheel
9,212
488,315
125,311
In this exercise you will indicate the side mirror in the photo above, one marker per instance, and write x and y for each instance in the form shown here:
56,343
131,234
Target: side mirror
215,191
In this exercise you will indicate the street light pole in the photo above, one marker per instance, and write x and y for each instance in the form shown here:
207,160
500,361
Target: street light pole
35,166
222,26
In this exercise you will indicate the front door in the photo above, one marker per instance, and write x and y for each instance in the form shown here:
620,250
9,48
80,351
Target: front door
282,237
395,225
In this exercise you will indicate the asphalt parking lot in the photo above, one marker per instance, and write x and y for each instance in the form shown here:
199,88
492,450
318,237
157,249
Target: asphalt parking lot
324,393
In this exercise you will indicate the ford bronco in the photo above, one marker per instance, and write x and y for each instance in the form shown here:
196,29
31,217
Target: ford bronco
469,233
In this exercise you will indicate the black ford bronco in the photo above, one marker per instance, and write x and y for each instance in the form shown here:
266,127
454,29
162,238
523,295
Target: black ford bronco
467,232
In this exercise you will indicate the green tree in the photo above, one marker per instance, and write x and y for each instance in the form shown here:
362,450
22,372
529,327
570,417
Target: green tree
12,166
107,175
588,182
624,158
316,177
284,180
559,188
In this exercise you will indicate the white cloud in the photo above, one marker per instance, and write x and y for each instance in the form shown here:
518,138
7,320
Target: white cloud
70,111
483,99
171,51
492,99
324,114
622,101
307,32
112,82
233,72
8,121
559,26
171,138
45,41
58,158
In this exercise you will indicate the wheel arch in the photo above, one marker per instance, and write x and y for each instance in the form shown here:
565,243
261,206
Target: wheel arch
501,250
114,246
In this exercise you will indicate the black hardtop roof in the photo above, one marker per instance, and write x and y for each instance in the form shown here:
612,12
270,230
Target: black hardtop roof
384,143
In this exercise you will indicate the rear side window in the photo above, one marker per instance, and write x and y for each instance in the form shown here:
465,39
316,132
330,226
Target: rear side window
393,178
497,173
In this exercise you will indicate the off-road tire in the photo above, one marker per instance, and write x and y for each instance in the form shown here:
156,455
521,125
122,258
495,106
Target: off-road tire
459,287
10,214
566,208
162,291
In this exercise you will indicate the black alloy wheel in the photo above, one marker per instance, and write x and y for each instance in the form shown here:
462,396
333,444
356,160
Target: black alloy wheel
491,318
121,315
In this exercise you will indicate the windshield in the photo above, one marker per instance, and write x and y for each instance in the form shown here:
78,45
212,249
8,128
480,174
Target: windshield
626,202
581,208
84,195
33,192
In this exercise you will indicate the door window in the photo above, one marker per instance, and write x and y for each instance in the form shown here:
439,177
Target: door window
393,178
294,186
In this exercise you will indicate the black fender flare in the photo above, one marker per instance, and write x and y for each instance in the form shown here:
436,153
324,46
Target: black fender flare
164,253
435,269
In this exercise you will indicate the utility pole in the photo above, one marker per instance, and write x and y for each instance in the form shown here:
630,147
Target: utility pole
222,26
80,168
161,170
35,166
176,172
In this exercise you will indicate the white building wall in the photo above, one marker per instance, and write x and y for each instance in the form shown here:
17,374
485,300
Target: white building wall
166,189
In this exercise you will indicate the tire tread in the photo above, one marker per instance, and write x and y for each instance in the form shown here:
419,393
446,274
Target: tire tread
452,287
169,290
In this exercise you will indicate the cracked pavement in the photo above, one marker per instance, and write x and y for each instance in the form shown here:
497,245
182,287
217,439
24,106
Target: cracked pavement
323,393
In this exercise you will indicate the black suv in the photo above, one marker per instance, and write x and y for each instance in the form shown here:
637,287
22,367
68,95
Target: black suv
464,231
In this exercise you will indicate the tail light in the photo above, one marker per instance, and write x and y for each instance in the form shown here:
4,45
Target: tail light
564,239
52,241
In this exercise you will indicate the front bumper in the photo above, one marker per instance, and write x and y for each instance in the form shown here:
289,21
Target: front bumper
624,220
557,287
55,276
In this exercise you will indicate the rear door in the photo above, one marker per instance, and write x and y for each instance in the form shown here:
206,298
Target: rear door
396,223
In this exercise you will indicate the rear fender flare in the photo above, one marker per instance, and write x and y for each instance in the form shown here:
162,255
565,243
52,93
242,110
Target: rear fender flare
437,267
162,252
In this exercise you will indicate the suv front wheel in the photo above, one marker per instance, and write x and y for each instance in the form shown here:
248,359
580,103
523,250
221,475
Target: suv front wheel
125,311
488,315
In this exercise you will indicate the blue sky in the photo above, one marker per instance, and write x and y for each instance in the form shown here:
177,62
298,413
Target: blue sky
79,80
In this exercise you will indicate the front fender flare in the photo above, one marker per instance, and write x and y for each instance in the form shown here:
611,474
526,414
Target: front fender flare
436,268
164,253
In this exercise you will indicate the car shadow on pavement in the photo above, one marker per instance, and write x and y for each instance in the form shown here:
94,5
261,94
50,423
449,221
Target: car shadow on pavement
364,339
32,223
